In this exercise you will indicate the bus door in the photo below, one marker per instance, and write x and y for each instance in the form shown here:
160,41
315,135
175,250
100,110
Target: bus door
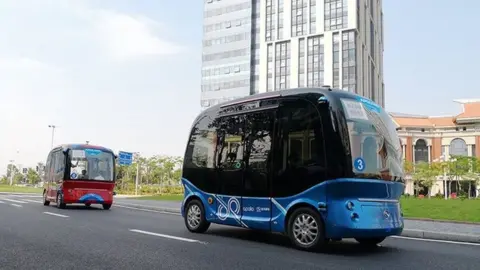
256,200
230,167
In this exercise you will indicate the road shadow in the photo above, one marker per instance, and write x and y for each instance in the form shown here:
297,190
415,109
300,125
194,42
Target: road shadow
340,248
82,207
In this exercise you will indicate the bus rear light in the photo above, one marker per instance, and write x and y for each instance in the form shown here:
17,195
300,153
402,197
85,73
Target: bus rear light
69,191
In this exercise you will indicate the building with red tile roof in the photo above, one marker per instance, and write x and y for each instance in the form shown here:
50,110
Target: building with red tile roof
429,138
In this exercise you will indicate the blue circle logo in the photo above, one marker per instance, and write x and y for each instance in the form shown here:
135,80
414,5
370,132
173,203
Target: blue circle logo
73,175
359,164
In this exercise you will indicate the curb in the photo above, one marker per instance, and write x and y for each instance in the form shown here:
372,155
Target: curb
421,234
465,238
443,221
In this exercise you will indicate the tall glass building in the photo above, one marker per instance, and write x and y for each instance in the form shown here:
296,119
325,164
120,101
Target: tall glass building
268,45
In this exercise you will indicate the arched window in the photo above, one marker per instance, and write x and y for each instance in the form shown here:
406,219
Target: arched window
458,147
421,151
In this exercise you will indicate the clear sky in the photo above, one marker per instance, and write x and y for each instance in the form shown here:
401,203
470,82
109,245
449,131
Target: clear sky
126,73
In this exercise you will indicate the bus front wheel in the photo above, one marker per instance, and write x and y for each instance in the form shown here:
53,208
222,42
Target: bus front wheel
373,241
306,229
60,203
107,206
195,217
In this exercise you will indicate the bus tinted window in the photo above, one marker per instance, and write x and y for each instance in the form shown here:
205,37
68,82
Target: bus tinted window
230,153
91,164
300,162
259,136
59,167
199,160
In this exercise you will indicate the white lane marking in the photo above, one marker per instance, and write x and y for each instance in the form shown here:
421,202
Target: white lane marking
15,201
2,202
16,205
55,214
27,200
26,196
437,241
147,210
167,236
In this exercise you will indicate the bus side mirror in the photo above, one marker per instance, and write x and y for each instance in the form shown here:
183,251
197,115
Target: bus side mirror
114,193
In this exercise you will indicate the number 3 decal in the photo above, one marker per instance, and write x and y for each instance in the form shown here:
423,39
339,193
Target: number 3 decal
359,164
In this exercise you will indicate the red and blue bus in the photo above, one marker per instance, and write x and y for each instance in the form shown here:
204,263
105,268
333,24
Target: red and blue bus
79,173
314,164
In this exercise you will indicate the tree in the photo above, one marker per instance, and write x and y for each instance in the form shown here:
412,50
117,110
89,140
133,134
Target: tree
426,174
457,168
32,176
472,176
408,167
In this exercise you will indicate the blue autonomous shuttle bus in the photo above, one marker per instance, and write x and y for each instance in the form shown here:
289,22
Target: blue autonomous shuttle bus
315,164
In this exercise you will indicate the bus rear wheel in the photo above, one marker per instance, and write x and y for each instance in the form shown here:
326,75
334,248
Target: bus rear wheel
46,202
306,229
195,217
107,206
372,241
60,203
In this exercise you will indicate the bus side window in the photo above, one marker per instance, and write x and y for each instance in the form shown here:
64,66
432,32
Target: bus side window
259,136
48,168
300,162
199,160
59,166
230,154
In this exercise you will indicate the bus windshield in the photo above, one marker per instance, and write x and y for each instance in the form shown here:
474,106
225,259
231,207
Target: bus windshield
91,164
375,146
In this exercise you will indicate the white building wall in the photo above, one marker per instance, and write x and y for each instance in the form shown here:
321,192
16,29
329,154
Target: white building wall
358,19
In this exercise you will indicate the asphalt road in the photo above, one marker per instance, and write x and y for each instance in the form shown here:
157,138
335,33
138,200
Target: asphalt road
33,236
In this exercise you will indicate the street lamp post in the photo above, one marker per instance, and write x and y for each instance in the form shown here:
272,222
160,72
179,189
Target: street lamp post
137,177
53,127
11,171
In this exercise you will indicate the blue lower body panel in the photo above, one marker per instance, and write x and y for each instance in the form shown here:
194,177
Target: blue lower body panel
364,219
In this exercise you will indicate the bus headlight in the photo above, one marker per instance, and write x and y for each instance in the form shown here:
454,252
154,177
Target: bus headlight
350,205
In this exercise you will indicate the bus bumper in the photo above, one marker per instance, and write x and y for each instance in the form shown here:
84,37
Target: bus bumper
354,218
94,196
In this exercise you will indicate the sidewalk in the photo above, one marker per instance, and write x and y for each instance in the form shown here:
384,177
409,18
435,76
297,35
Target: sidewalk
447,231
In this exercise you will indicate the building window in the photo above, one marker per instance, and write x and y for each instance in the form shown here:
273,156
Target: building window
474,150
301,62
421,151
372,82
269,67
458,147
282,65
336,60
280,19
349,72
313,16
270,23
372,40
299,17
336,14
315,60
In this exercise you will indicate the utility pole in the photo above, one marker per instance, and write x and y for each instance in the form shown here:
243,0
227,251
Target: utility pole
11,171
53,133
137,177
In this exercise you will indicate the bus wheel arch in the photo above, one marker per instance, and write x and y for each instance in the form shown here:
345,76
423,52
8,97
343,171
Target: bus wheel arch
305,210
194,215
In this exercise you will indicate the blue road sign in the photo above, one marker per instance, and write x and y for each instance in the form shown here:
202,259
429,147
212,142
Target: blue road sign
125,158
